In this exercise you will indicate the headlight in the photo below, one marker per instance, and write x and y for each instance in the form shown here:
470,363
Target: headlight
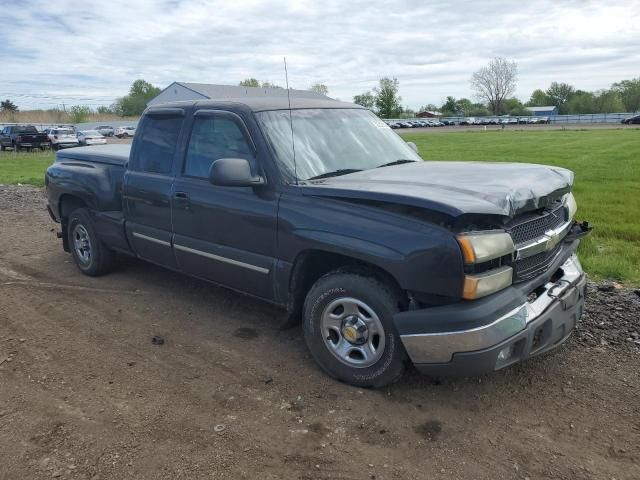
572,206
480,247
483,284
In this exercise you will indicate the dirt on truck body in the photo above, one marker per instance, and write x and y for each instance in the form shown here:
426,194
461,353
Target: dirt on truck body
84,393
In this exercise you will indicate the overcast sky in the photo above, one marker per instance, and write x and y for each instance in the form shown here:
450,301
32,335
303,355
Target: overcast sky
90,52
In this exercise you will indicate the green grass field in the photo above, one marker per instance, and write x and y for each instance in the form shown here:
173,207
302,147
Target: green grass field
24,167
607,183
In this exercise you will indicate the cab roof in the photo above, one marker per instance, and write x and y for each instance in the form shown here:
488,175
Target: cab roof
260,104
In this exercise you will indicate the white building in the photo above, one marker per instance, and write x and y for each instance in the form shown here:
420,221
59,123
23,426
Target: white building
202,91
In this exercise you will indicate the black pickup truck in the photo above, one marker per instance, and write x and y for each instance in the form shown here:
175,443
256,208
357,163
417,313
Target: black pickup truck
457,267
23,136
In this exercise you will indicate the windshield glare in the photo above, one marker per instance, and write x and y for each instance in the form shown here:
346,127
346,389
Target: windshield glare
332,139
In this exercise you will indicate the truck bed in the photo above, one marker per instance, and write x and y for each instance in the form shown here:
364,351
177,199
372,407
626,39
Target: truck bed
117,154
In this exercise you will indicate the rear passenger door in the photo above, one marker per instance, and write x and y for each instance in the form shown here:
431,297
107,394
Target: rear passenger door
223,234
148,185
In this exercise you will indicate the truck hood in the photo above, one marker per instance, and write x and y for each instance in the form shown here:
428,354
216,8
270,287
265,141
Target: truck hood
453,188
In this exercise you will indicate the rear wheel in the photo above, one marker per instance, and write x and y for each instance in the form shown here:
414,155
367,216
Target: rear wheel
348,327
91,256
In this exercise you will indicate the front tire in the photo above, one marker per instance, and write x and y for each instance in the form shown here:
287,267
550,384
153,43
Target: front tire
90,255
349,329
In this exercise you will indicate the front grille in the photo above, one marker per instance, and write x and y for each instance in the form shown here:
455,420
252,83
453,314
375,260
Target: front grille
532,226
534,265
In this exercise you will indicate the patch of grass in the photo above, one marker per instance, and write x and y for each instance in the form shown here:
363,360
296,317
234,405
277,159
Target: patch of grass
24,167
607,182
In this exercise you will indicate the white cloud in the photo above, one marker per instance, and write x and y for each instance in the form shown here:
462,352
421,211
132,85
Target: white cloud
88,52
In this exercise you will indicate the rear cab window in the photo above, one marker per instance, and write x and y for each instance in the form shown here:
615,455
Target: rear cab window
157,142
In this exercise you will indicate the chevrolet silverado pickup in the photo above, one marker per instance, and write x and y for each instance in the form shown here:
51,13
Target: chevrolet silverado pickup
460,268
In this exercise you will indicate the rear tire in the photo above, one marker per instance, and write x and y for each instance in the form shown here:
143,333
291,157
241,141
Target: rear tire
90,255
357,306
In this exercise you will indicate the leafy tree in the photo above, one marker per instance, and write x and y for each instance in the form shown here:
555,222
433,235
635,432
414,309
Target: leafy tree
270,85
406,112
8,106
629,91
319,88
387,98
365,99
79,113
560,94
134,104
478,110
580,102
464,106
495,82
539,99
250,82
450,106
607,101
513,106
104,110
429,107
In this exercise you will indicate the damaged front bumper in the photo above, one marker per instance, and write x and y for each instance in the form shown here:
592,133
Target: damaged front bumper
471,338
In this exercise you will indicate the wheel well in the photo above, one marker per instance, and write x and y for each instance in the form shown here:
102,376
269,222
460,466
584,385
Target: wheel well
69,203
310,265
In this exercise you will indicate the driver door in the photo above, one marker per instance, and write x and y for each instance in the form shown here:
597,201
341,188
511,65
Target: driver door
223,234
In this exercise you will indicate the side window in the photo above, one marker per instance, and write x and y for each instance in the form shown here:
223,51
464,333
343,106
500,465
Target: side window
157,144
213,138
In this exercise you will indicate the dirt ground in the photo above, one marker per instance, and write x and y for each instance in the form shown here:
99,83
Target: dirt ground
85,394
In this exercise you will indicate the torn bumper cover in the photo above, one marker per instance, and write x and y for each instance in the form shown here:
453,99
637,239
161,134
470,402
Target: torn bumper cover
495,332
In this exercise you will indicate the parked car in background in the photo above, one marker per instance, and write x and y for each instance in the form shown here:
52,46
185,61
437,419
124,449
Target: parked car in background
106,130
61,137
124,132
22,136
635,120
544,120
91,137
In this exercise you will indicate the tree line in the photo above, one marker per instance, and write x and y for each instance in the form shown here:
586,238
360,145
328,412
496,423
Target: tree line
494,86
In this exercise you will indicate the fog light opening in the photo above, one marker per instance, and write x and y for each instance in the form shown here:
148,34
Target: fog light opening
506,354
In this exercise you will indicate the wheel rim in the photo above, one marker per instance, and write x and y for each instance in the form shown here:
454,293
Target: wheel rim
82,243
353,332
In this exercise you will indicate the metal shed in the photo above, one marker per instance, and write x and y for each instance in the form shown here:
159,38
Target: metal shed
201,91
543,111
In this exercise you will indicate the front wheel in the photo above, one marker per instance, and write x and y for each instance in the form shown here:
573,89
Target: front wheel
348,327
91,256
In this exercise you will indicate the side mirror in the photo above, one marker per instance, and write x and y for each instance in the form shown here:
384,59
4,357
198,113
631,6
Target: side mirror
233,172
413,146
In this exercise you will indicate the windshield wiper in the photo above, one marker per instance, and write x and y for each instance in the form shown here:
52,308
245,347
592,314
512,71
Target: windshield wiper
396,162
335,173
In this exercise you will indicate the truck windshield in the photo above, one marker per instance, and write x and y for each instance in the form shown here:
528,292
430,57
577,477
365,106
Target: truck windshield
332,140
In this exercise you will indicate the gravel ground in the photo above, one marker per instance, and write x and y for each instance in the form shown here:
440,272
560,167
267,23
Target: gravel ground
85,394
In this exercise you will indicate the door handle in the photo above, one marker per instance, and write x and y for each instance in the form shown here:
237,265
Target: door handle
182,200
